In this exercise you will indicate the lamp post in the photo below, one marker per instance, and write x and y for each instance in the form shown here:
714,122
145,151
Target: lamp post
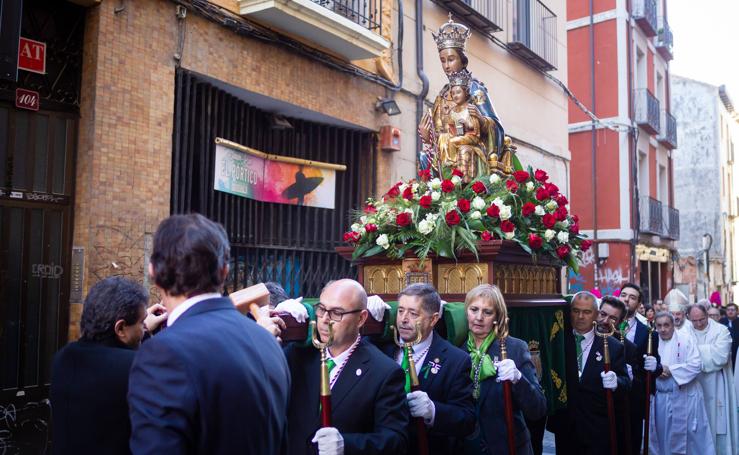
707,242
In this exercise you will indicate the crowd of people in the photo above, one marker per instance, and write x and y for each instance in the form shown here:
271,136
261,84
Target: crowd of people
192,375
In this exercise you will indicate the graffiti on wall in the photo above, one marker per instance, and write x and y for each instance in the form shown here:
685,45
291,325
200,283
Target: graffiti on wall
608,279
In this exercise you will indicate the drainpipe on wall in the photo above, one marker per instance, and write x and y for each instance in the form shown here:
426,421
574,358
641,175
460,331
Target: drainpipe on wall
633,152
593,150
421,74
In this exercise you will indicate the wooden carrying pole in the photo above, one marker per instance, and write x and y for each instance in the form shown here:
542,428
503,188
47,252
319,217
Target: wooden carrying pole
627,410
507,392
423,440
325,398
648,386
609,393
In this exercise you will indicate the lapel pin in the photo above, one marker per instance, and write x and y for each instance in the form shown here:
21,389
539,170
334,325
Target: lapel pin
359,372
598,357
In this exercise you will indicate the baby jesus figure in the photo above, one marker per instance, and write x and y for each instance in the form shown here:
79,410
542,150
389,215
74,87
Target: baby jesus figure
460,141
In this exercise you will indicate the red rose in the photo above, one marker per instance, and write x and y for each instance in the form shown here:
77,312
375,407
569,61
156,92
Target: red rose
452,218
560,214
575,228
507,226
425,175
479,187
425,201
527,209
463,205
585,245
352,237
541,193
548,220
535,241
511,185
394,191
486,236
403,219
493,211
369,227
561,200
541,176
552,189
447,186
521,176
575,219
563,251
408,193
458,173
369,208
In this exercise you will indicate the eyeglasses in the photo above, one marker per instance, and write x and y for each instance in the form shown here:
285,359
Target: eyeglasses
335,315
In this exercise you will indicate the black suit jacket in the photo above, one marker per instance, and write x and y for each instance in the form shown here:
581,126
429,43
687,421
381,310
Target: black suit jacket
584,422
368,404
88,398
734,331
528,401
214,382
447,382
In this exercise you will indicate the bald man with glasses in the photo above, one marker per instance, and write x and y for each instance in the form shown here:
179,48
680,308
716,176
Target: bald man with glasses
369,410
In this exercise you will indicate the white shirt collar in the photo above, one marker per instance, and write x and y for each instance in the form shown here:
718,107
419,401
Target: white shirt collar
588,336
420,347
341,358
187,304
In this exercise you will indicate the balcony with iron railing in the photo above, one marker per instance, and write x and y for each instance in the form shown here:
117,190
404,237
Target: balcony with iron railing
645,15
646,110
670,223
349,28
663,41
486,16
650,215
668,130
534,33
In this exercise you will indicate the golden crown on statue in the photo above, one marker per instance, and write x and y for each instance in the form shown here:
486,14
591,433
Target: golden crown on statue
451,35
461,78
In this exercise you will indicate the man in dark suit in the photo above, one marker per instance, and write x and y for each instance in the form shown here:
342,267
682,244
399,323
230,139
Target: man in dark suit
444,400
637,332
582,427
89,378
369,411
731,321
213,382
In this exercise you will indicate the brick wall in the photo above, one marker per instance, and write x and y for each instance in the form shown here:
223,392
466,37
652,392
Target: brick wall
127,104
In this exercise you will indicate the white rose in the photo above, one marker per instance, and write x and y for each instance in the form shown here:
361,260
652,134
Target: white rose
478,203
494,178
408,211
435,183
539,210
425,227
414,187
403,187
383,241
563,237
505,212
456,179
498,201
565,223
549,234
475,215
356,227
510,235
431,217
363,219
551,205
435,196
530,186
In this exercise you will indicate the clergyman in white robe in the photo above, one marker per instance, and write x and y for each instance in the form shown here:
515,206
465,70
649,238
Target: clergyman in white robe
678,423
717,381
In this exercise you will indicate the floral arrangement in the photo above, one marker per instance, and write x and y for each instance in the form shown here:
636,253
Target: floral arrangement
447,216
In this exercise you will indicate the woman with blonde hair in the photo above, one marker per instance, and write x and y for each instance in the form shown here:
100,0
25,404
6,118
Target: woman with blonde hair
486,313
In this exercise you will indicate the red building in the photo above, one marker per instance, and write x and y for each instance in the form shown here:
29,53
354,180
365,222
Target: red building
621,179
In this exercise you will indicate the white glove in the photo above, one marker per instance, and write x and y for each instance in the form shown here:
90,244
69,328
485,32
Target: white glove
295,308
421,406
441,308
329,441
650,363
610,381
376,306
507,371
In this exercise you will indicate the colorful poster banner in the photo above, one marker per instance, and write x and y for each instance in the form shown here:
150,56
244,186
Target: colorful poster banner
246,172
